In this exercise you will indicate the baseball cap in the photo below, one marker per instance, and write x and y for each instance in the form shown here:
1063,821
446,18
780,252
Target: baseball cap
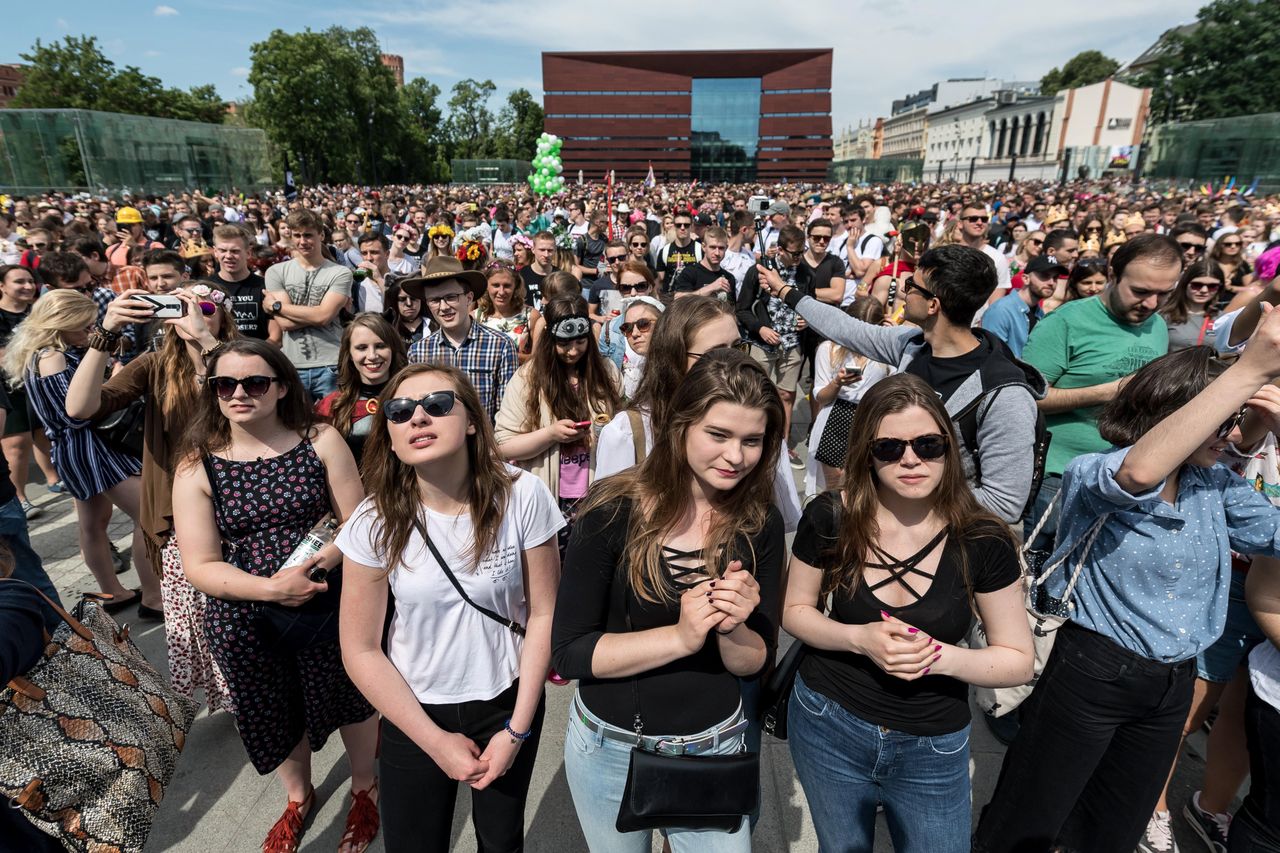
778,207
1045,265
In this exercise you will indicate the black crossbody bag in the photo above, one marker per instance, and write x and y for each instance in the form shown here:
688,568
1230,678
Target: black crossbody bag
685,791
516,627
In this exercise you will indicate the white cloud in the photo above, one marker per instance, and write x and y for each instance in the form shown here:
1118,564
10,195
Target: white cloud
165,12
239,71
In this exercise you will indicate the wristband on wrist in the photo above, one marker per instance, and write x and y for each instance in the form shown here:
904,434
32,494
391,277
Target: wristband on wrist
516,737
103,341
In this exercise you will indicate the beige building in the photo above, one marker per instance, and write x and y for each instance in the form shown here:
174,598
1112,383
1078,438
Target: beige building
904,135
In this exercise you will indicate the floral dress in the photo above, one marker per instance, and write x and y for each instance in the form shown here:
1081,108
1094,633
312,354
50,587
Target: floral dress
263,509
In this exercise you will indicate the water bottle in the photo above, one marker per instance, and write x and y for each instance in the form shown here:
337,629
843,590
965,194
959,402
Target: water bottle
318,537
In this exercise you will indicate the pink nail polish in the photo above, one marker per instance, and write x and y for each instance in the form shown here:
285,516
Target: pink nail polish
926,671
884,614
912,630
936,658
937,648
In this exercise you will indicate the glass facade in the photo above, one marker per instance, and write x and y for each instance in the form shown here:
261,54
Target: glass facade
85,150
725,128
491,171
1247,147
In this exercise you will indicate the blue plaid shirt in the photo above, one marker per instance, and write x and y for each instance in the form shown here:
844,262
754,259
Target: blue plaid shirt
486,356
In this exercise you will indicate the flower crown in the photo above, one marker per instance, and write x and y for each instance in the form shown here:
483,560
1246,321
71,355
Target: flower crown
207,293
437,230
471,250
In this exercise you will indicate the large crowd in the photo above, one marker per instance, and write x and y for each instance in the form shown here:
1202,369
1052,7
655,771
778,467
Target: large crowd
528,440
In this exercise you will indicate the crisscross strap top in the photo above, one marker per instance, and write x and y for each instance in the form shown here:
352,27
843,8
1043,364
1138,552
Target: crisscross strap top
686,568
899,569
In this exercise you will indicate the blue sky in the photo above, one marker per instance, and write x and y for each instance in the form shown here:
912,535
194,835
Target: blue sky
884,49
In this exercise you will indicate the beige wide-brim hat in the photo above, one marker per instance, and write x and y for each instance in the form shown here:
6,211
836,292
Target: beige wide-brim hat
439,270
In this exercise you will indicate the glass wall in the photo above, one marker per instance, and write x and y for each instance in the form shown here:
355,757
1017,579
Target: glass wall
1244,147
725,129
491,171
108,153
867,171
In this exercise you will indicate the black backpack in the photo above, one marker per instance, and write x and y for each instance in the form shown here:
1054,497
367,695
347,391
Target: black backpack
967,420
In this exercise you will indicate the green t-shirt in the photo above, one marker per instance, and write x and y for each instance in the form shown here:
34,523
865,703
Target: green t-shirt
1079,345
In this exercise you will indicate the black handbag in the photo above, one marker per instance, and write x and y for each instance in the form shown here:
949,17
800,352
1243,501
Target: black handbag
122,430
775,693
685,791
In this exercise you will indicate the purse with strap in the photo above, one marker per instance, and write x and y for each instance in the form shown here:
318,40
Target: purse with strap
122,430
1044,614
775,696
514,626
90,736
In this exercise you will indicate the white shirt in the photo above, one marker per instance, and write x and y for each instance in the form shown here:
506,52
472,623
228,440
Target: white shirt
1003,281
737,264
1264,673
446,650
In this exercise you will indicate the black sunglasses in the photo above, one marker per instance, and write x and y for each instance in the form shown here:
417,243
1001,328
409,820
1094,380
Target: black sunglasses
641,245
930,446
923,291
1232,422
437,405
1191,247
616,259
683,224
254,386
628,289
982,219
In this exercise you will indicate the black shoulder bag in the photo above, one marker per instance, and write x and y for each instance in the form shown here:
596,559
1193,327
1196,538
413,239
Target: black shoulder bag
776,690
685,791
122,430
516,627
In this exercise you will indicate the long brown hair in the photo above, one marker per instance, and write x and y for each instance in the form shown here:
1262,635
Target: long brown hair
496,269
660,485
953,500
549,377
665,365
1178,308
344,405
179,395
210,430
393,485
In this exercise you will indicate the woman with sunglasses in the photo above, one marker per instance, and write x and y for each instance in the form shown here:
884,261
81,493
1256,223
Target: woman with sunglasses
1031,244
404,313
670,594
45,351
637,242
908,559
554,404
170,382
272,628
461,695
1228,253
441,242
502,308
634,279
1192,307
639,316
1163,515
369,354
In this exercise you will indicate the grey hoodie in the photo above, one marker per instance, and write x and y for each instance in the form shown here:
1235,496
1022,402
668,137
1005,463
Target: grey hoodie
1006,421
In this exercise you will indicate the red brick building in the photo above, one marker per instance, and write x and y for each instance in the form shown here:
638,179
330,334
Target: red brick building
10,82
711,115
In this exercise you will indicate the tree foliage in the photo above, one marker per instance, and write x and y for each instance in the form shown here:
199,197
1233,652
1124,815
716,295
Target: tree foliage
75,74
520,124
1221,68
1083,69
470,125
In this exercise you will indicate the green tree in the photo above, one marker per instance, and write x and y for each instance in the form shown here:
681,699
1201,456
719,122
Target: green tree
519,125
471,124
1221,68
1083,69
426,129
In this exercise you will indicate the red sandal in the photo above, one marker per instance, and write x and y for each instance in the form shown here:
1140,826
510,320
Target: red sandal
362,821
286,835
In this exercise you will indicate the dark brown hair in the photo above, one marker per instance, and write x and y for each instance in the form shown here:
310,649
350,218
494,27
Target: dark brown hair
549,377
344,405
1176,310
393,486
1156,391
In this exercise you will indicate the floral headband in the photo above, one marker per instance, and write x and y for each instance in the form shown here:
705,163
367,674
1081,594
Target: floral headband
206,293
437,230
471,250
521,240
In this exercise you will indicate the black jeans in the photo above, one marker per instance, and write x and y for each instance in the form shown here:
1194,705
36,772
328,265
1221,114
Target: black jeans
1098,735
1256,826
417,798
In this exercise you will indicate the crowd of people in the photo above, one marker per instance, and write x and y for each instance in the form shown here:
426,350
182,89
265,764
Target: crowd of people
540,440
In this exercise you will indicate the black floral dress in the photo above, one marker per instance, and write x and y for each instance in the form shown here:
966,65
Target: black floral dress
263,509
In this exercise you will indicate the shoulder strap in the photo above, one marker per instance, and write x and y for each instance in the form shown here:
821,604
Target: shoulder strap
516,627
967,420
637,435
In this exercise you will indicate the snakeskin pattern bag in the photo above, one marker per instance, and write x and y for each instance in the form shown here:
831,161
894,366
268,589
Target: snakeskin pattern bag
90,736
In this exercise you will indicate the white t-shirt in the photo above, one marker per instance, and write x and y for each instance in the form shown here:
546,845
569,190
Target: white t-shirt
447,650
1264,673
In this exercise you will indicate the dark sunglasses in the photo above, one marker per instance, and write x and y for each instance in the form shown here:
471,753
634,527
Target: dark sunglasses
1232,422
437,405
819,238
616,259
982,219
1231,245
255,386
641,245
1036,242
740,346
683,224
644,324
627,289
1203,285
931,446
1191,247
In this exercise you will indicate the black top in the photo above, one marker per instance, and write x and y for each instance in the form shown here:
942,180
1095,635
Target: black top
682,697
695,276
7,491
9,322
934,704
945,375
246,304
820,276
532,286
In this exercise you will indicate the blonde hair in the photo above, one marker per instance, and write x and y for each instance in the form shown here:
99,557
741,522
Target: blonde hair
56,312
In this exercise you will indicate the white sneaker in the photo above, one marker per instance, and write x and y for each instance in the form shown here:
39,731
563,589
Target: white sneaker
1159,835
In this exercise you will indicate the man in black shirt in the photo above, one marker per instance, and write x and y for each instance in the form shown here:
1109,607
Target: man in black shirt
590,248
615,255
231,249
544,249
706,278
680,253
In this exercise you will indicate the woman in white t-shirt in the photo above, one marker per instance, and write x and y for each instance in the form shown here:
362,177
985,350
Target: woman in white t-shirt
459,684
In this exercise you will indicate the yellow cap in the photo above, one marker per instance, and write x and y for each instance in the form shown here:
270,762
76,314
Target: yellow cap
128,216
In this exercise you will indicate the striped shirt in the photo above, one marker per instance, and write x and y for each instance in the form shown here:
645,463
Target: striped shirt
486,356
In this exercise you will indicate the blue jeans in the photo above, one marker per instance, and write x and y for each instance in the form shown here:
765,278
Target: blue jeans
596,768
847,765
1049,489
319,382
1219,662
26,562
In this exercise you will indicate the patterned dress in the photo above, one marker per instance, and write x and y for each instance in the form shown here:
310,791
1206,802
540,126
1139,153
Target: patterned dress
263,509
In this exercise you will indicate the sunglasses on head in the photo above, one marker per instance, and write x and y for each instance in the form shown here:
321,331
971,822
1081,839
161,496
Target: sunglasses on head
644,324
400,409
930,446
255,386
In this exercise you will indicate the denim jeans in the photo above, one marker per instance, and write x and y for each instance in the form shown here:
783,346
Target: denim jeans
597,766
847,765
1098,736
26,562
1049,489
1256,826
319,382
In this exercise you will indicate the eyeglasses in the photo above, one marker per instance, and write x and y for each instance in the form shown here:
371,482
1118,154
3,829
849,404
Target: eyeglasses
615,259
441,237
405,300
1198,248
445,299
208,309
819,238
1232,422
39,247
983,219
255,386
740,346
629,289
1203,285
644,324
923,291
400,410
930,446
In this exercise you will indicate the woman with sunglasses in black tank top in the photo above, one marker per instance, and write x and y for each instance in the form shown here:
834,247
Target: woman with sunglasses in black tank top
879,712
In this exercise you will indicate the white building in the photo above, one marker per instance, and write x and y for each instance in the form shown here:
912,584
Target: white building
904,135
957,136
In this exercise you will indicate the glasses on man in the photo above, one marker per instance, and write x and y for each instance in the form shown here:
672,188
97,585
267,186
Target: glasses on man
683,225
1197,248
616,259
930,446
977,219
923,291
450,299
819,238
255,386
400,410
39,247
793,251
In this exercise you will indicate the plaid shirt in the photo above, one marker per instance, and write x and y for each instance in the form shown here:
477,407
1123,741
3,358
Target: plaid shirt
488,357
